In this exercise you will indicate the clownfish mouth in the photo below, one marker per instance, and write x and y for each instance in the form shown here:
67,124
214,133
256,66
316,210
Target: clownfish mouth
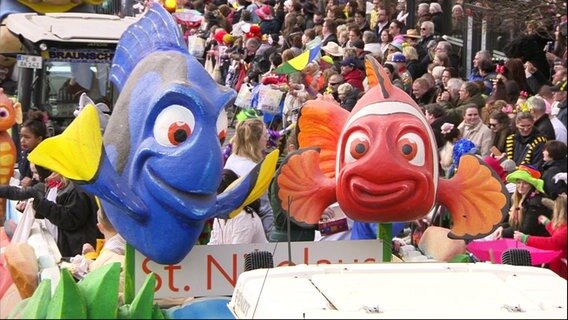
370,194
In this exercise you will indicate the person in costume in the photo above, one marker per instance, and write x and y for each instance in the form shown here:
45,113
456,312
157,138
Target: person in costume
526,145
526,204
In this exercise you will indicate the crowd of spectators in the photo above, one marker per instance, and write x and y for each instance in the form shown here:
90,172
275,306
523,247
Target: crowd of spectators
512,111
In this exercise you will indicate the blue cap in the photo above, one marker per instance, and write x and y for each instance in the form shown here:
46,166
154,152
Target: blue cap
398,57
349,61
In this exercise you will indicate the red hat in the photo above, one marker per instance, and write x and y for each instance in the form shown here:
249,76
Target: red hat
496,166
264,12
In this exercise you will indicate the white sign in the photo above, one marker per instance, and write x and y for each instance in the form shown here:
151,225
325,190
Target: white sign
25,61
213,270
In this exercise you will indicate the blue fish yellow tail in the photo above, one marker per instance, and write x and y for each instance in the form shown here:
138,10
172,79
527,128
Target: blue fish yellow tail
257,181
76,153
476,198
300,179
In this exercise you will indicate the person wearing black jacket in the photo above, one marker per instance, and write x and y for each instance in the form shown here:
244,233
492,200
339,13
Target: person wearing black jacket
554,156
74,212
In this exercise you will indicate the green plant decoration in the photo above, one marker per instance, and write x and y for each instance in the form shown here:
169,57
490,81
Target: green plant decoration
94,297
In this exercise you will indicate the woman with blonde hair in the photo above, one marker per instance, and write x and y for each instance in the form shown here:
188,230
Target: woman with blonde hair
248,146
558,239
412,63
526,204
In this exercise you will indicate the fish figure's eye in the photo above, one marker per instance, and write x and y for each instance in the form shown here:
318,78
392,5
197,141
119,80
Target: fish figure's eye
411,147
222,124
357,146
174,125
4,113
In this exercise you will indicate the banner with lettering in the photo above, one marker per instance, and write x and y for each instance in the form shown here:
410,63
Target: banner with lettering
213,270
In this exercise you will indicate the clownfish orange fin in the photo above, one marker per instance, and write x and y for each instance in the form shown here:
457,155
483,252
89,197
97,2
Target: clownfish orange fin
376,75
319,125
300,180
481,203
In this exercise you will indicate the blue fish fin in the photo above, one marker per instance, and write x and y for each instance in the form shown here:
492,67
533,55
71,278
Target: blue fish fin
310,191
247,189
155,31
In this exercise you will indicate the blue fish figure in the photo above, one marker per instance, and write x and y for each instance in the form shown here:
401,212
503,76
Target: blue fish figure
159,166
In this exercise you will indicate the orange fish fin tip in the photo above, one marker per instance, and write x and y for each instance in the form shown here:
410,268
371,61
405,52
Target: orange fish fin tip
303,190
318,125
476,199
376,74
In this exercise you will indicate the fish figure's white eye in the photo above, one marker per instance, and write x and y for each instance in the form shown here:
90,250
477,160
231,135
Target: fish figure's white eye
222,124
4,113
411,147
174,125
356,147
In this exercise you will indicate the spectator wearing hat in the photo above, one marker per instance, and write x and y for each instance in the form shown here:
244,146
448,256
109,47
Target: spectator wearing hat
268,25
559,106
392,48
526,204
412,37
527,144
399,59
352,74
335,51
255,5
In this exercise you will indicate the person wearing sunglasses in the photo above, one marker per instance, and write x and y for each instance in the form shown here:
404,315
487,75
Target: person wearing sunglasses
333,84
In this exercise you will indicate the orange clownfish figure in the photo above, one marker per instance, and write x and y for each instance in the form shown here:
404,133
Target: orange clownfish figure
380,164
10,114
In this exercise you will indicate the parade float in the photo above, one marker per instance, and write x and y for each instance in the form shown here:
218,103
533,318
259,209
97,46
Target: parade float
157,167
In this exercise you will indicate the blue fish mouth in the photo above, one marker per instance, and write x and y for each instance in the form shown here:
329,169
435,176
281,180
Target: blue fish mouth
188,206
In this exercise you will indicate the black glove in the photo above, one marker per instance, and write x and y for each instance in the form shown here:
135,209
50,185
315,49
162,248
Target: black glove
35,193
